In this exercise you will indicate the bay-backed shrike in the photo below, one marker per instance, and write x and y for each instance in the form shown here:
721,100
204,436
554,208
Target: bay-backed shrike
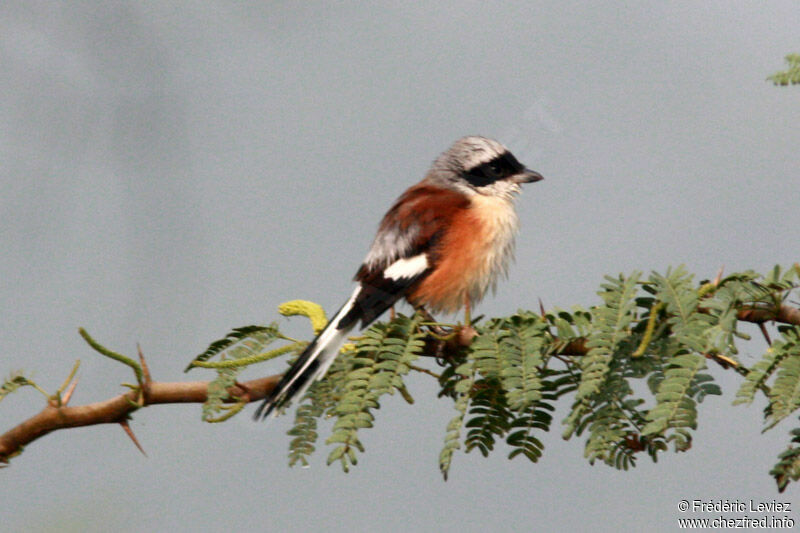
441,245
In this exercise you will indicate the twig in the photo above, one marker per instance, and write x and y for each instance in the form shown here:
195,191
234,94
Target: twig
784,314
113,410
424,371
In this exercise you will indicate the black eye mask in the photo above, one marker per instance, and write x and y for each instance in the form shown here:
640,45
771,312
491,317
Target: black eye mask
499,168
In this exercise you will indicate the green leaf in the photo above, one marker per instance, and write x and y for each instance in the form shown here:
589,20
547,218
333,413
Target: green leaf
239,343
612,321
788,466
790,76
452,441
218,395
784,396
520,357
13,383
376,367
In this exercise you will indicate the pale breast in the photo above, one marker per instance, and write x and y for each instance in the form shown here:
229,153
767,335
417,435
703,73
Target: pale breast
475,249
498,221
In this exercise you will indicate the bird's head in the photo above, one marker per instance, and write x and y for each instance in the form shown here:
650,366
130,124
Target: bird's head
478,165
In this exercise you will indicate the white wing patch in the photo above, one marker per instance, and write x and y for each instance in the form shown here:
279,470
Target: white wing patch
407,268
389,244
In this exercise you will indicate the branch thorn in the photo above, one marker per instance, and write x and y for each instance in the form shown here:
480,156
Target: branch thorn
719,276
146,380
68,395
246,396
127,428
764,332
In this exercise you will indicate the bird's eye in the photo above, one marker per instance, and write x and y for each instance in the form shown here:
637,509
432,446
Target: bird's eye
494,167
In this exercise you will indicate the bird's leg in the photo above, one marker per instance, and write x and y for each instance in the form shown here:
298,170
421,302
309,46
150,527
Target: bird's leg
436,329
439,334
466,332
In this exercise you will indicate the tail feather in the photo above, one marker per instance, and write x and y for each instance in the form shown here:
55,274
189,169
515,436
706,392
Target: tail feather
312,364
374,295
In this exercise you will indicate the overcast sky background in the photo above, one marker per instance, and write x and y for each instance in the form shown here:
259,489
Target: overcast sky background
170,170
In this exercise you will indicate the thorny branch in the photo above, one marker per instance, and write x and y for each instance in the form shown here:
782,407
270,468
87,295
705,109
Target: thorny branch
116,410
58,415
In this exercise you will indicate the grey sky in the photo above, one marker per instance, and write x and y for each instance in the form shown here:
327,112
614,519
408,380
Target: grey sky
171,170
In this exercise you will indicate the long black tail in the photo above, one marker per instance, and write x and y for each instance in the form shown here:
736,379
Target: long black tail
313,363
374,295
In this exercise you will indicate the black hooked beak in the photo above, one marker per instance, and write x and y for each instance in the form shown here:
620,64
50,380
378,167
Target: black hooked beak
528,176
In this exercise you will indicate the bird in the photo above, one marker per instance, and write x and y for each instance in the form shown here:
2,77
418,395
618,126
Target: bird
442,245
